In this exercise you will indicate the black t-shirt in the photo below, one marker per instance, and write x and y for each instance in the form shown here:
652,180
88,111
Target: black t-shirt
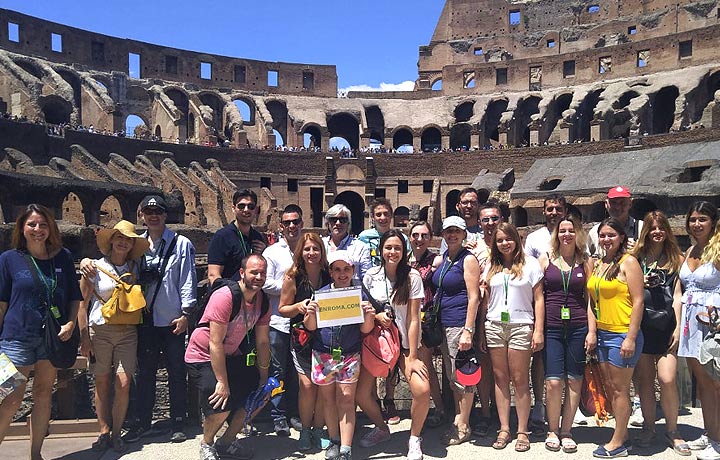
228,247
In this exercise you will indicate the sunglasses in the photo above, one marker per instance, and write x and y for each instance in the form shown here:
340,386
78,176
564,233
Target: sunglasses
342,220
153,212
291,221
485,220
420,236
250,206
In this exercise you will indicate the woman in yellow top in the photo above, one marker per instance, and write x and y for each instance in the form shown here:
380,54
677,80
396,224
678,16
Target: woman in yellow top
616,293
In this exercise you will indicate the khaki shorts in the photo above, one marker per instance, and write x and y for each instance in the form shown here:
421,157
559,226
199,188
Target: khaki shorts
114,346
515,336
449,351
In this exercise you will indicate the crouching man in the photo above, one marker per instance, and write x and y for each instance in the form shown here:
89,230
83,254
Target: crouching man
226,364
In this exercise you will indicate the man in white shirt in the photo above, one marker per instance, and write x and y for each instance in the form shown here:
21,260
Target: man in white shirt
279,258
337,221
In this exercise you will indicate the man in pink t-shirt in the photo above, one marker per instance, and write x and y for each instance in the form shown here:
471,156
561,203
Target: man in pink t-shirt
221,363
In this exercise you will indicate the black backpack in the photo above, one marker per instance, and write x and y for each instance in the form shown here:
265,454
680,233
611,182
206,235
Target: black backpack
194,320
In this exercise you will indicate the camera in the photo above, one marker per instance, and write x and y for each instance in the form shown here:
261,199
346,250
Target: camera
147,276
387,308
654,279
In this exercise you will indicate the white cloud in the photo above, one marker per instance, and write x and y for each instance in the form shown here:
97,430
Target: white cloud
404,86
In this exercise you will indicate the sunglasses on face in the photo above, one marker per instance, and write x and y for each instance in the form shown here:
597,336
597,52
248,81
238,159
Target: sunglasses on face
249,206
291,221
485,220
153,212
420,236
342,220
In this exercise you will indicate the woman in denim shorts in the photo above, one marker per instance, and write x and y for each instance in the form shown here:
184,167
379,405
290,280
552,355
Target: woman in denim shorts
567,330
616,290
514,320
36,275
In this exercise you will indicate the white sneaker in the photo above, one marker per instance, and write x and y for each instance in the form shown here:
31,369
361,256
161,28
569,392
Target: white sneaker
700,443
414,449
711,452
580,418
636,419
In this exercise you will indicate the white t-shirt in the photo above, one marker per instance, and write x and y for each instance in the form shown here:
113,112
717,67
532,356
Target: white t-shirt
537,243
379,287
519,293
104,286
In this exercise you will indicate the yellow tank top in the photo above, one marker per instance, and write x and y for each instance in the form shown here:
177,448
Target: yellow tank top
614,303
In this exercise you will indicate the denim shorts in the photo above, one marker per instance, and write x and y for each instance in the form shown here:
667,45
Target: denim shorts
24,352
608,348
564,352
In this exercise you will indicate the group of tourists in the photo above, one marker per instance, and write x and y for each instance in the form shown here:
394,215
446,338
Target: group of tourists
623,293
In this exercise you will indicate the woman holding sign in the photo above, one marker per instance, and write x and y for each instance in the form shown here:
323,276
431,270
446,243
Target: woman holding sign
336,361
400,287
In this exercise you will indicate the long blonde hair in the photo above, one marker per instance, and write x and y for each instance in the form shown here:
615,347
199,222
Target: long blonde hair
670,250
496,260
711,253
580,239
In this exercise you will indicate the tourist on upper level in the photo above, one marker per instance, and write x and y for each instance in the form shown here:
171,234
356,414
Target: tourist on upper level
537,243
660,258
617,205
616,290
112,346
457,280
219,360
279,257
308,274
37,274
700,277
237,240
514,314
569,328
337,221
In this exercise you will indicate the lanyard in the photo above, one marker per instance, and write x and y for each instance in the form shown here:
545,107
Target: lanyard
564,310
244,244
506,287
385,282
50,282
648,268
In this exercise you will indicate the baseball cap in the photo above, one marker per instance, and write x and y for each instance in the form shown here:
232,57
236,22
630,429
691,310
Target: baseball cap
153,201
454,221
467,368
339,255
618,192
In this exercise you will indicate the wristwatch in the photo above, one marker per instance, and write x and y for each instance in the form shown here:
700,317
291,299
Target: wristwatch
469,329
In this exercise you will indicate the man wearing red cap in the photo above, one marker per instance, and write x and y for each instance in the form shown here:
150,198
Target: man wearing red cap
618,205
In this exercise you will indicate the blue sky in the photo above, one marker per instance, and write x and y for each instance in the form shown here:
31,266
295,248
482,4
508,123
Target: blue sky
372,42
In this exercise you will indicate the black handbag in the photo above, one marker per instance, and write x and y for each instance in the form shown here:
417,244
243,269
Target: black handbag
432,330
61,354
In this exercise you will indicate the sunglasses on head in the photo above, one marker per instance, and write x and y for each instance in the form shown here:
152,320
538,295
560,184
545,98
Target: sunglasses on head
250,206
153,211
485,220
291,221
342,220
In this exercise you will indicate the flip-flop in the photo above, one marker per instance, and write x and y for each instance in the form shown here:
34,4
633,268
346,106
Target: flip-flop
682,448
552,443
569,446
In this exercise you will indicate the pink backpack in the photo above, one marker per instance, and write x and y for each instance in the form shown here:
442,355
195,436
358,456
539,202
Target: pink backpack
381,350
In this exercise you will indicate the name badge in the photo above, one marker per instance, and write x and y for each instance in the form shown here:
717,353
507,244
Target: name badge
250,359
505,316
564,313
337,354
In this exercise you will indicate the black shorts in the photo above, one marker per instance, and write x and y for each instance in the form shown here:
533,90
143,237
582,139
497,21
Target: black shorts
242,380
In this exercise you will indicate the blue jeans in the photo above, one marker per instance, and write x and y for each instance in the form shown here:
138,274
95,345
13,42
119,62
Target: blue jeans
151,341
564,352
282,368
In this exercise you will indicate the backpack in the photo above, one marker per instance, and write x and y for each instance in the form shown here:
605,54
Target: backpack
381,350
194,319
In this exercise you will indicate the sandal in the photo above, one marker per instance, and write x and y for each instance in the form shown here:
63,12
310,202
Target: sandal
680,448
102,443
522,445
569,446
435,420
552,443
502,441
455,436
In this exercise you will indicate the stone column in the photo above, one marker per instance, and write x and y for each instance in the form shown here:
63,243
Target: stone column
445,141
417,143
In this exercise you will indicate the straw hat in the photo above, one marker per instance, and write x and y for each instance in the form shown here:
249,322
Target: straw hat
104,236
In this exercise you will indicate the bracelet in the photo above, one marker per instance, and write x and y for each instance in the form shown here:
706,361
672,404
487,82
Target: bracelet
263,367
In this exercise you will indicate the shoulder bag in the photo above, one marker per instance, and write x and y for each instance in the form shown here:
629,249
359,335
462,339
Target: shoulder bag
126,302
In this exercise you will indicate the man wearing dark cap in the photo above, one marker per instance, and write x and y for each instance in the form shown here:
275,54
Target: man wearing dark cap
617,204
237,240
169,281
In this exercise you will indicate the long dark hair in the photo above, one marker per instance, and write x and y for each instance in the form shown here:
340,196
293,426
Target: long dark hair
620,229
401,290
53,242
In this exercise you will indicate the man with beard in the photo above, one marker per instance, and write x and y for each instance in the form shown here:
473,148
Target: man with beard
217,366
467,208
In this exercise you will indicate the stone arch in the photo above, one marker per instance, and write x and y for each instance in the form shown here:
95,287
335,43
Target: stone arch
134,124
345,125
491,121
451,200
55,109
620,121
137,93
217,104
701,96
663,109
460,136
279,113
158,133
74,81
431,138
356,205
312,135
437,84
464,111
30,67
642,206
402,135
72,209
401,216
519,216
526,108
246,105
423,214
349,172
111,211
585,114
560,103
375,123
182,102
